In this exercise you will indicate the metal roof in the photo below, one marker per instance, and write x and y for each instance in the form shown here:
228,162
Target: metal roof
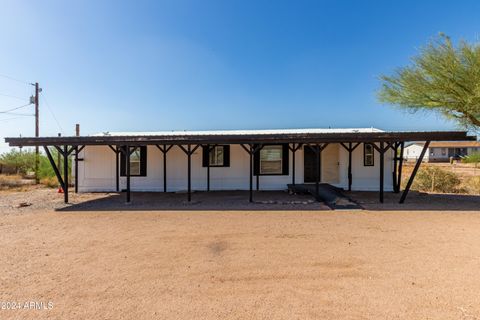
238,132
243,137
452,144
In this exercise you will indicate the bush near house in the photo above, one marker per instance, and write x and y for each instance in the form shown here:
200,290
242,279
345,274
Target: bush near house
472,185
23,164
473,158
434,179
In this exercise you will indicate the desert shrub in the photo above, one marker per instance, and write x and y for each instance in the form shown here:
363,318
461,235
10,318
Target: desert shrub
473,158
50,182
434,179
472,185
10,181
21,161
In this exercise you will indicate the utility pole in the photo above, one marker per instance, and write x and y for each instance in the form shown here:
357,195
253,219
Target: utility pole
37,131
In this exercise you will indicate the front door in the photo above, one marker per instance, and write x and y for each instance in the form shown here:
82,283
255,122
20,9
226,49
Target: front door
328,164
309,165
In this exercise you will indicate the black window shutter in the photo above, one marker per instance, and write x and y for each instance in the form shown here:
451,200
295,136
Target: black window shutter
205,155
226,156
285,159
123,167
143,161
256,162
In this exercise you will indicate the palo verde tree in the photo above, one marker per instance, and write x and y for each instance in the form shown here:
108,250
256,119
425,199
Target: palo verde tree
442,78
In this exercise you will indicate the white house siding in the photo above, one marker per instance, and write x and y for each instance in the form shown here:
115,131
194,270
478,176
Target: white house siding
413,151
96,173
437,154
365,178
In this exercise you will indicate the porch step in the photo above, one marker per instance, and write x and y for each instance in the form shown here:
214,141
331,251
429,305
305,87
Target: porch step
330,195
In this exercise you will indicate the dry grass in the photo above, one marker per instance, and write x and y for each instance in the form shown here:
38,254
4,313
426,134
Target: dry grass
467,173
50,182
472,185
11,181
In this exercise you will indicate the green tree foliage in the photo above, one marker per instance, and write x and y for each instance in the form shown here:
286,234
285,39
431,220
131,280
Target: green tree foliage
473,158
24,162
441,78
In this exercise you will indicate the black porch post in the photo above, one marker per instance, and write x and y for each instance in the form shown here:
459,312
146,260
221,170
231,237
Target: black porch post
189,151
293,164
189,148
127,162
317,169
251,173
382,152
117,169
65,173
414,172
208,167
165,168
400,166
395,162
76,169
350,150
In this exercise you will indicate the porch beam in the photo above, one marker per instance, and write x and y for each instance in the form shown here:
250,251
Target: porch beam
189,151
78,149
382,169
251,151
209,149
117,152
54,167
414,172
164,151
294,149
350,148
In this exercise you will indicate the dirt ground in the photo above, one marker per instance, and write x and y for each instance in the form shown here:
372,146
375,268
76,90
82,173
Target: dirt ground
101,259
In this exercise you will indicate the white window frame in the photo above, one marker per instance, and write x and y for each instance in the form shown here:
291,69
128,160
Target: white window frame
369,154
261,161
135,157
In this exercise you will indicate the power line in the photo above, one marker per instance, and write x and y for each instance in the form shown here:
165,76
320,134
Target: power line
19,114
11,96
13,79
15,108
1,120
51,112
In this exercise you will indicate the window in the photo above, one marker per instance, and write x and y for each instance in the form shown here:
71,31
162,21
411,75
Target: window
135,162
271,160
444,151
216,156
138,162
368,155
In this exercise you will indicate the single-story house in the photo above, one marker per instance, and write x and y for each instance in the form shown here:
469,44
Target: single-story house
442,151
354,159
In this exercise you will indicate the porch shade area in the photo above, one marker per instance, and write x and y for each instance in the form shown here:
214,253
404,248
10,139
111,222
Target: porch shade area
123,145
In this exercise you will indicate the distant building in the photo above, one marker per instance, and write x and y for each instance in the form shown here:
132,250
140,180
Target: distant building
442,151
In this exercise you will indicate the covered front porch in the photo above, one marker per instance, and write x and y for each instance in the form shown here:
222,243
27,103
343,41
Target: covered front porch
313,143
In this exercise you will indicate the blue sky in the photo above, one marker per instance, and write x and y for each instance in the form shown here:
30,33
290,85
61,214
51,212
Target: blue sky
186,65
